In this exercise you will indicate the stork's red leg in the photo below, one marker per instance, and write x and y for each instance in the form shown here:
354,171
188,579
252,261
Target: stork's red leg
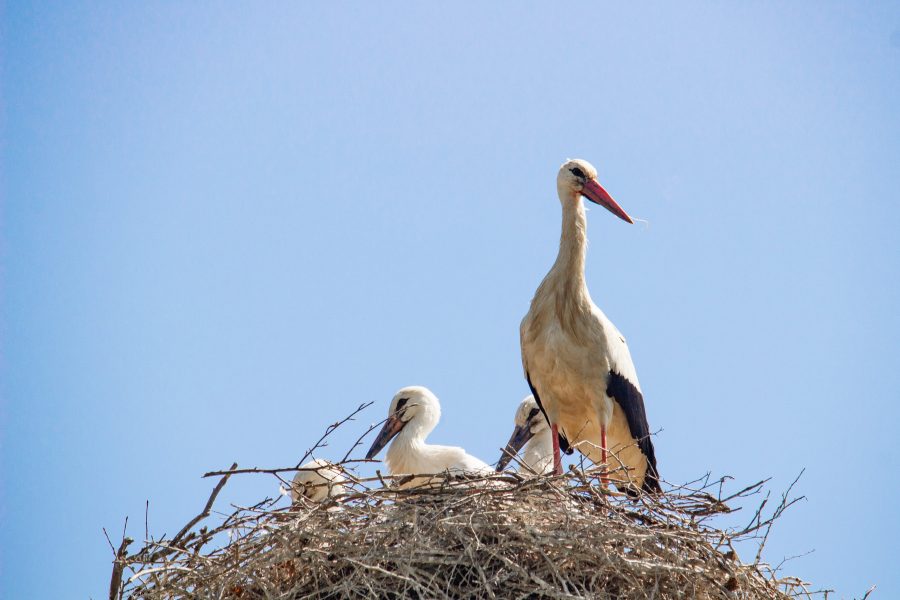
603,478
557,459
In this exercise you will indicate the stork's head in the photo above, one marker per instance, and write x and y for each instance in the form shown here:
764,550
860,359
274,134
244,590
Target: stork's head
577,178
317,480
530,421
415,410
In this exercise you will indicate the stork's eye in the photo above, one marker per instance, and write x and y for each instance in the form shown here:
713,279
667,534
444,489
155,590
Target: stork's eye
577,172
534,412
401,403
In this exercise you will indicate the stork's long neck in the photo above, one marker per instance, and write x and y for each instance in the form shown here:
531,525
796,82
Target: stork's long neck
569,266
563,294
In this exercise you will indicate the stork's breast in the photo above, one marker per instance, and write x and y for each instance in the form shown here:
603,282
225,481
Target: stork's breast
560,362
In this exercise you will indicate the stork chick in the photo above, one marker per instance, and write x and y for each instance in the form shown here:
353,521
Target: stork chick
317,480
532,432
413,414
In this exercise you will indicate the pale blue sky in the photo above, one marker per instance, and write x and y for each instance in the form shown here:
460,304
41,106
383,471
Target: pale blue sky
224,227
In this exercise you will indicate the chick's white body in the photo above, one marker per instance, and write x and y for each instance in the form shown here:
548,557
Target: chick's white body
409,454
317,480
537,454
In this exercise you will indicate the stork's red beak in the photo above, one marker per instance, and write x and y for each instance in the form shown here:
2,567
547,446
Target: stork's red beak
594,192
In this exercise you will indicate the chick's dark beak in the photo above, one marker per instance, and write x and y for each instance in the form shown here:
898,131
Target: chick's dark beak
519,437
392,427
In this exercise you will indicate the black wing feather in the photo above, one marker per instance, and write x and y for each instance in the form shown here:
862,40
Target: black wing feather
632,402
563,442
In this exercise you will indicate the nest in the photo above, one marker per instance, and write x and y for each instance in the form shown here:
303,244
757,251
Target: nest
500,536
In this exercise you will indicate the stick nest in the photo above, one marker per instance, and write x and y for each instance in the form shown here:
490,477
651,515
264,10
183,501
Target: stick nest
502,536
499,536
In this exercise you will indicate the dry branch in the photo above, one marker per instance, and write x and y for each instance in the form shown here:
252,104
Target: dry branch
119,563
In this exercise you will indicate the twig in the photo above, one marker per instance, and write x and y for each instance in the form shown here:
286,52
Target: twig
179,539
206,509
115,582
330,429
147,520
359,440
274,471
109,541
783,506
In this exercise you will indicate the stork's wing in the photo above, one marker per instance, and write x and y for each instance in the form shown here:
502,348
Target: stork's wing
563,442
631,400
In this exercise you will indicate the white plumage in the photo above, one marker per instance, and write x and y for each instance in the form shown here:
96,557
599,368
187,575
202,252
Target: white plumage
576,361
413,414
531,431
317,480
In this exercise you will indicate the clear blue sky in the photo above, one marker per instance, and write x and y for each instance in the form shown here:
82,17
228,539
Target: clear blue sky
225,226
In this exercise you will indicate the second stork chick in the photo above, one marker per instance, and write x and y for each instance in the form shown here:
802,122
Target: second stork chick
317,481
532,432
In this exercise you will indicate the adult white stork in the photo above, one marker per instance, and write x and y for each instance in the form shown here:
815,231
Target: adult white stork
533,432
413,414
576,362
317,480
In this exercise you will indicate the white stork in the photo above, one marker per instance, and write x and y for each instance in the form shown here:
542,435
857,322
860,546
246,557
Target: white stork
576,362
413,414
533,432
317,480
